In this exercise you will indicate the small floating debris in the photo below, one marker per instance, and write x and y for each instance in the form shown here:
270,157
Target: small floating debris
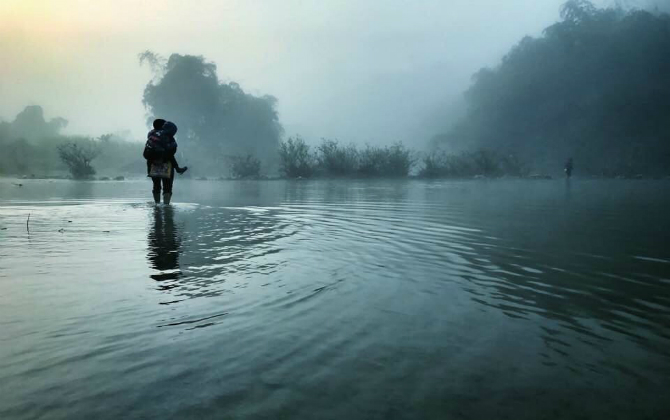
61,230
119,178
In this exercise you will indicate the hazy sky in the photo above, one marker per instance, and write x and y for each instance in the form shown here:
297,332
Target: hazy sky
356,70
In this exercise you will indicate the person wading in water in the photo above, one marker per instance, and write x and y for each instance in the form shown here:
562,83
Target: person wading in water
159,151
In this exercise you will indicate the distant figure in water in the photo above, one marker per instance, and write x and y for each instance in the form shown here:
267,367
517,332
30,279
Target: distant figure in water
159,152
568,168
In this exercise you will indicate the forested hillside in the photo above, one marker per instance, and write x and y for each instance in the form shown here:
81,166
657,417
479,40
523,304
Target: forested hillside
595,87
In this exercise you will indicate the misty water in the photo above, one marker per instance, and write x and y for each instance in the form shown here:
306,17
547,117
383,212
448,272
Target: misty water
335,299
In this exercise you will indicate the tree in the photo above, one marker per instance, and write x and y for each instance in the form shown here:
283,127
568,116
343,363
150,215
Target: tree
577,11
215,117
594,87
78,159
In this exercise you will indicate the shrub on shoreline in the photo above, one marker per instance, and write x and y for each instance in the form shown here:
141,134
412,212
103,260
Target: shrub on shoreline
334,160
78,159
295,159
393,161
242,167
440,164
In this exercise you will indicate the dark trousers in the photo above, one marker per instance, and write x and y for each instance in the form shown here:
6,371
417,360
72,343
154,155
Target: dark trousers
167,184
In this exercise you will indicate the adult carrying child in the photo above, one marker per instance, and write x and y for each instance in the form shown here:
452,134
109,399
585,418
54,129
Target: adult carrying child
159,151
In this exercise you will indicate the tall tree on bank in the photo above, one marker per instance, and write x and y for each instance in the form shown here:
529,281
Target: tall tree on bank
595,86
214,117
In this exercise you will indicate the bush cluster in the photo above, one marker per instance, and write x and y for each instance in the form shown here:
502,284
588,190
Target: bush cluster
331,159
245,167
295,159
486,163
78,159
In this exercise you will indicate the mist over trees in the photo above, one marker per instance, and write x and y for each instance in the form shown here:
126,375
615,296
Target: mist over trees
22,142
30,124
594,87
31,145
215,119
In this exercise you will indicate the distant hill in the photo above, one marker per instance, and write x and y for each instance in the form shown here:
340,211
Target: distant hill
595,87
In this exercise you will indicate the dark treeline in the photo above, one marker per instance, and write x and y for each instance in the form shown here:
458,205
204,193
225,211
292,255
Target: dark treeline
331,159
33,146
594,87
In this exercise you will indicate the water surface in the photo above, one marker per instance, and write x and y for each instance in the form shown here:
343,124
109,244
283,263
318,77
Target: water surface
335,299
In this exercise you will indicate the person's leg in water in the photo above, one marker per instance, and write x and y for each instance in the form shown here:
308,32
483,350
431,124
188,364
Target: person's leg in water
157,189
167,188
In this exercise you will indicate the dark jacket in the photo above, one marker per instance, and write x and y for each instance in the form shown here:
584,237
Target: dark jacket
161,145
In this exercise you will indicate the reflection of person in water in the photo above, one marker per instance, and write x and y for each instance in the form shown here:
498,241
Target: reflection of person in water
164,246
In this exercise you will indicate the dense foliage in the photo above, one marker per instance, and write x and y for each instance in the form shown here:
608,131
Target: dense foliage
245,167
594,87
487,163
295,159
330,159
215,119
32,145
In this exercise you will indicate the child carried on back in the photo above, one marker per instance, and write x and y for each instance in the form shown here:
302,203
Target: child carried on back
160,149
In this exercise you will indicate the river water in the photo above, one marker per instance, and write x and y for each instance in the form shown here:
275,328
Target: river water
335,300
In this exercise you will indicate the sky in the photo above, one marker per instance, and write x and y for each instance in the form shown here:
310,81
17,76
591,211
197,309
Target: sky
357,71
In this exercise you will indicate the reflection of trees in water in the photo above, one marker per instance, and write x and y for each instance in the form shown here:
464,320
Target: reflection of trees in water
80,189
164,247
340,191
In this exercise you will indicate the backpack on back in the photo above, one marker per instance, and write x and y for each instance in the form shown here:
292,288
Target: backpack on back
160,144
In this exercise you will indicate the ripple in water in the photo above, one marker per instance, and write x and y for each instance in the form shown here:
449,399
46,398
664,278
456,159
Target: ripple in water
339,299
